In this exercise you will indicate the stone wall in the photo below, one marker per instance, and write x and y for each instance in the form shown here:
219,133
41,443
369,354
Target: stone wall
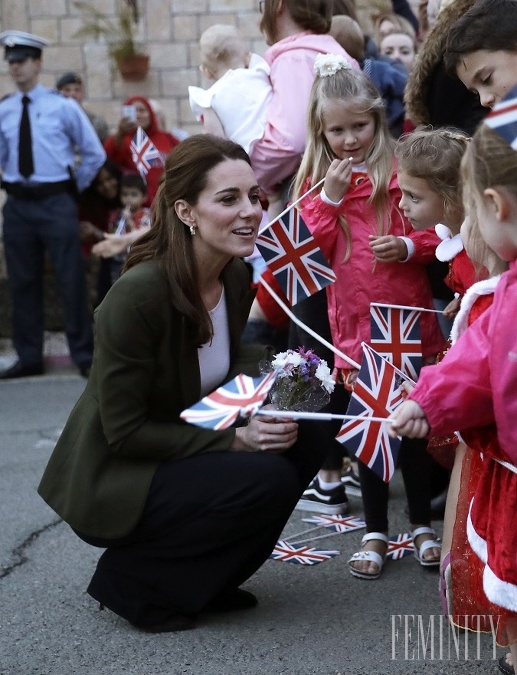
169,29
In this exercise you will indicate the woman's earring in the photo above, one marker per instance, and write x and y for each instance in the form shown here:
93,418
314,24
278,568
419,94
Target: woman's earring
192,229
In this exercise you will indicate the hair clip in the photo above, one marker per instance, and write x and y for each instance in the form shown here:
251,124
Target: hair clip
326,65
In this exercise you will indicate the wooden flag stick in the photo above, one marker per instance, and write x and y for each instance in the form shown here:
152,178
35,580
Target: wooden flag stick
300,415
262,229
416,309
306,328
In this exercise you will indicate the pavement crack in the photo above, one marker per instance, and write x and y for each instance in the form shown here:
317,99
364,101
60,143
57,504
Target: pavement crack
19,552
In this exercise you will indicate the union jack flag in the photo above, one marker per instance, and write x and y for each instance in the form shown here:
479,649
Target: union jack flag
395,334
292,255
337,523
376,394
400,547
303,555
242,396
145,154
503,118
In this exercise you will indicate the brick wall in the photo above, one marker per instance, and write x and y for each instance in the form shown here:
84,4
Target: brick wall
169,29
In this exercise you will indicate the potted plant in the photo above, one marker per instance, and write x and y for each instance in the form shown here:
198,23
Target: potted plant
120,35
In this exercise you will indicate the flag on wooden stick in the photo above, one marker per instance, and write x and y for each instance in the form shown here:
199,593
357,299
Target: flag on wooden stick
376,394
293,256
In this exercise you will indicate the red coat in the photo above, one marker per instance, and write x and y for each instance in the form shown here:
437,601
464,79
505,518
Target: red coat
361,280
122,156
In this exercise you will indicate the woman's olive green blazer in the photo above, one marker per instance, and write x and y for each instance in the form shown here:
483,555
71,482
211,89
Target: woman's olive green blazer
145,372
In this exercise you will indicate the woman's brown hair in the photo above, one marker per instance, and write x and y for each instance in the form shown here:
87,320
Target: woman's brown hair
311,15
169,240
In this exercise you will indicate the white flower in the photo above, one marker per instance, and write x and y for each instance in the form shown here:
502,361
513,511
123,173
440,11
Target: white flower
324,376
279,359
329,64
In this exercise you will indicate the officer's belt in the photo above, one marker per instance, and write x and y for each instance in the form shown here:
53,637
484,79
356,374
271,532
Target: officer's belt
35,192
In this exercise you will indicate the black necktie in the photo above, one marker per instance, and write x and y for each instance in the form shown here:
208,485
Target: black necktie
25,159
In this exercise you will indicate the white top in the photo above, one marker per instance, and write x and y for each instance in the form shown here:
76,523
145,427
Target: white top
214,356
240,99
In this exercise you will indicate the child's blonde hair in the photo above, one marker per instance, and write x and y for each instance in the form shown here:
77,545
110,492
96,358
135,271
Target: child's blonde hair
351,87
481,255
222,47
435,155
488,162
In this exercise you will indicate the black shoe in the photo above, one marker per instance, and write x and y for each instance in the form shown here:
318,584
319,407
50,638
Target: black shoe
20,370
331,502
231,601
85,370
175,623
505,667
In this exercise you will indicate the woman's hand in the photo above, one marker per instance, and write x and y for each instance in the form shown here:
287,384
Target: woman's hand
388,248
267,434
337,180
409,420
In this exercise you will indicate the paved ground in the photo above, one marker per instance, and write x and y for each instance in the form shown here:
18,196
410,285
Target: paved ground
310,620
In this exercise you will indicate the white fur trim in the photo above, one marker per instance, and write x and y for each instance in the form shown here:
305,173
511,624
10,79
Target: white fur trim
499,592
480,288
477,543
450,245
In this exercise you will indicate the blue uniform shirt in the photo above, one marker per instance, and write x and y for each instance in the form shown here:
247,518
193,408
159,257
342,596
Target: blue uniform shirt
59,129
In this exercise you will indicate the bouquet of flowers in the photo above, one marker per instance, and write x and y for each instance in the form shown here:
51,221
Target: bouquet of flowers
303,382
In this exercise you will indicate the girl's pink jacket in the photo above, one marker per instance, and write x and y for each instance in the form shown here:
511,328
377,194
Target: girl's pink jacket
361,280
278,153
476,383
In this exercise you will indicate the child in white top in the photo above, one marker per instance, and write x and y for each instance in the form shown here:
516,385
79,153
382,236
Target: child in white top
235,105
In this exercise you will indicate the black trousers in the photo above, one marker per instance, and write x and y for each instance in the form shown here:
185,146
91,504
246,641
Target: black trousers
31,228
414,462
209,523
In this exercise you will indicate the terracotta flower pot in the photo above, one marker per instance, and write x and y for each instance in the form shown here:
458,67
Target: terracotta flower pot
133,68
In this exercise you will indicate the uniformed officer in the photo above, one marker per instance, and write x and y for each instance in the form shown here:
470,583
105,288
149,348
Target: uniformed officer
39,129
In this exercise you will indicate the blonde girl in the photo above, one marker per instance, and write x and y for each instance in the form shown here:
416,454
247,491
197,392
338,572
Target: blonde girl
377,257
474,388
429,178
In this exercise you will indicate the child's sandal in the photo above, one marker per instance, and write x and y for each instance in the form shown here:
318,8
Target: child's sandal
425,546
369,556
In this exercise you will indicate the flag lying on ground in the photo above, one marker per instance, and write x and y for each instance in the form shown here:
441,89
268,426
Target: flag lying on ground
503,118
292,255
401,546
337,523
145,154
395,335
242,397
376,394
302,555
